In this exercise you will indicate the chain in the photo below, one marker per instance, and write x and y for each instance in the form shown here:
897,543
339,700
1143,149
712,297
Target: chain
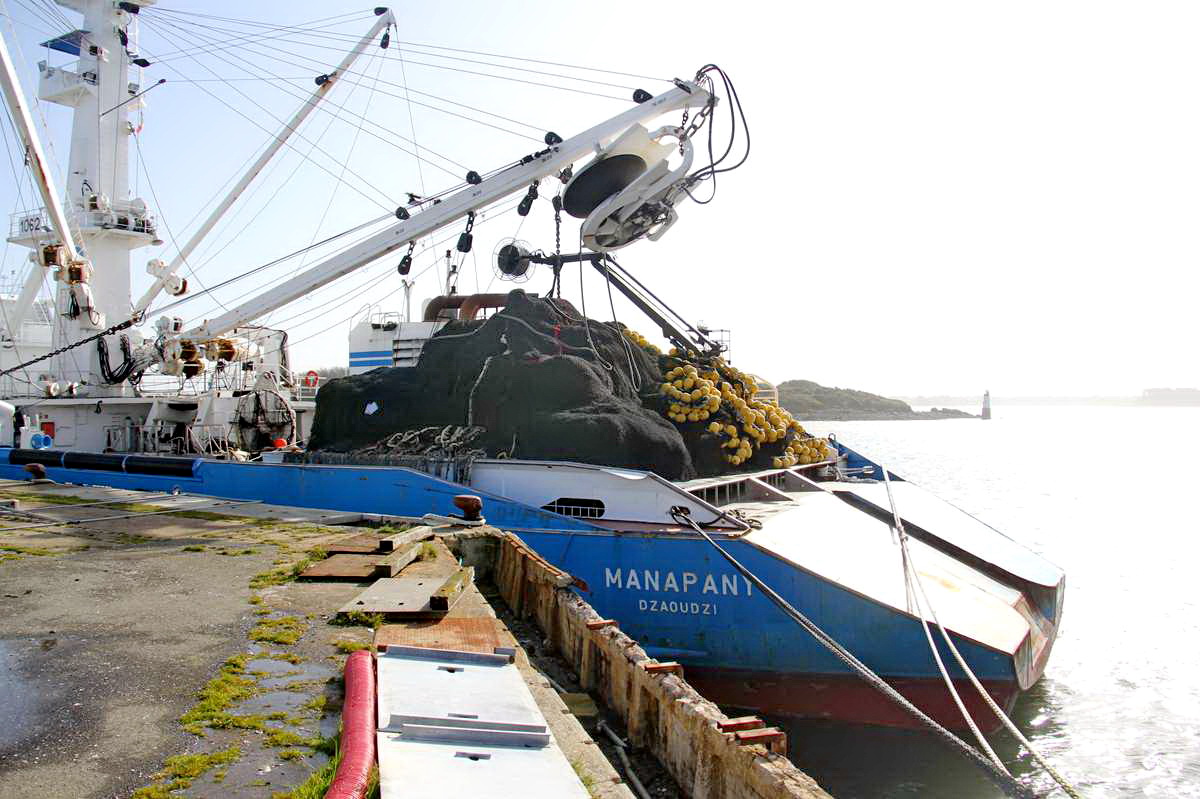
114,329
557,203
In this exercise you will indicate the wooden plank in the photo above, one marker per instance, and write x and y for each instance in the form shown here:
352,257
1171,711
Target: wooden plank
669,667
401,540
771,737
741,723
449,592
390,565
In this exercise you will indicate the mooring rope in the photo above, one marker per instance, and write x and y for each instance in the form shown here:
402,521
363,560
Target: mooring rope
1001,778
1067,787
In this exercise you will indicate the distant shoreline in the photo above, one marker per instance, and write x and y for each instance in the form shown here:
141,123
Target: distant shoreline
859,415
1132,402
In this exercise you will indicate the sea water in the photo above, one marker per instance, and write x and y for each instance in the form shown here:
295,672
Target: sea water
1112,495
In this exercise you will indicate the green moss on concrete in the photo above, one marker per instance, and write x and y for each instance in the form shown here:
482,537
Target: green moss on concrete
285,631
180,770
218,695
356,618
20,550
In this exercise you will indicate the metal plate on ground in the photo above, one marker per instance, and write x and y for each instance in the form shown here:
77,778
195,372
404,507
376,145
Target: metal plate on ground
409,768
481,634
397,598
343,567
363,544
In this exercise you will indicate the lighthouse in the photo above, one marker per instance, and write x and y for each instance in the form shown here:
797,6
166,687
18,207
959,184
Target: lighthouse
987,405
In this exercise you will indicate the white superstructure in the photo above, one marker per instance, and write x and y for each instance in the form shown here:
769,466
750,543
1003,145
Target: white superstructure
225,384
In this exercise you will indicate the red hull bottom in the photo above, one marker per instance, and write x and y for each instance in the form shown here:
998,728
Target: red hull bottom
850,699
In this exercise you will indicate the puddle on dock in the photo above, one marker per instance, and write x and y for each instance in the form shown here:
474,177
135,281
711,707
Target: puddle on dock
18,694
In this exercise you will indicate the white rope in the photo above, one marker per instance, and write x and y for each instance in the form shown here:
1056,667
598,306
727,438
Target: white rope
1002,779
1067,787
906,561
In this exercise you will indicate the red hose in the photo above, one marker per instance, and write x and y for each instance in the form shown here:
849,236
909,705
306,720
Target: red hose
358,729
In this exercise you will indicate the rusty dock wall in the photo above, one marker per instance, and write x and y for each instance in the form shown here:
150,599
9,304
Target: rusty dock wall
710,755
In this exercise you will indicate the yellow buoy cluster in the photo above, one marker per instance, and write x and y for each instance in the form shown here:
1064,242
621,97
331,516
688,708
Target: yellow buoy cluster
640,340
709,391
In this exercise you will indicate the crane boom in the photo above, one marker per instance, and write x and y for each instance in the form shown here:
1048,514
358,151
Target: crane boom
514,179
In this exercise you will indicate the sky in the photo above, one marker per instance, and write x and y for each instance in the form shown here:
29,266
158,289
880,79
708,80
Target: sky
941,197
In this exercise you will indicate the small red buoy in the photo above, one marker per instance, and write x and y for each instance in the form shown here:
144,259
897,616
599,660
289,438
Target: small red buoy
280,443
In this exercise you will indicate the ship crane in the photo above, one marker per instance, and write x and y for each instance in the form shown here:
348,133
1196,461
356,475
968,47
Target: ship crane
627,191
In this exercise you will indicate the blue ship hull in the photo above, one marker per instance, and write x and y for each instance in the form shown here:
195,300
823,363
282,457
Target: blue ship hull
667,589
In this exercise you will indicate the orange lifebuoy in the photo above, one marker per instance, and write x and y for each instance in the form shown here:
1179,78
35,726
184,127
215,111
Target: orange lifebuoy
311,379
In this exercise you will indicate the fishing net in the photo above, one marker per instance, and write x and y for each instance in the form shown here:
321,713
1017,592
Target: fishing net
541,383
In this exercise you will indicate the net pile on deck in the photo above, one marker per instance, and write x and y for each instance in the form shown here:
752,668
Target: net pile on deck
543,384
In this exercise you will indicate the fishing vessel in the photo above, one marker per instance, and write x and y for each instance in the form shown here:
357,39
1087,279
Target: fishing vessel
650,532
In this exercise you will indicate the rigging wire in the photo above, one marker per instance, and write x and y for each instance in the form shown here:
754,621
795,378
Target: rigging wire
301,28
536,61
240,36
412,124
269,264
339,39
326,66
324,108
209,254
137,142
288,144
435,264
333,193
319,64
477,73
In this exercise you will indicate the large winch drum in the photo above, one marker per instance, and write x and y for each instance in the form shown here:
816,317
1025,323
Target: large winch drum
614,169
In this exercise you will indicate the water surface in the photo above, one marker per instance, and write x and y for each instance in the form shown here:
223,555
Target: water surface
1109,494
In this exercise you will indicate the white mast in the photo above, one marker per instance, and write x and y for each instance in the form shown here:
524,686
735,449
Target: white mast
39,168
97,222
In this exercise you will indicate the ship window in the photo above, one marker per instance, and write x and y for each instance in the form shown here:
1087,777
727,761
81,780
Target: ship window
577,507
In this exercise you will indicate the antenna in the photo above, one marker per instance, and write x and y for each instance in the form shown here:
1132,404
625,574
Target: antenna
408,284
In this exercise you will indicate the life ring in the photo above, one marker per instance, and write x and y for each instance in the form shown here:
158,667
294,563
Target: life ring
311,379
